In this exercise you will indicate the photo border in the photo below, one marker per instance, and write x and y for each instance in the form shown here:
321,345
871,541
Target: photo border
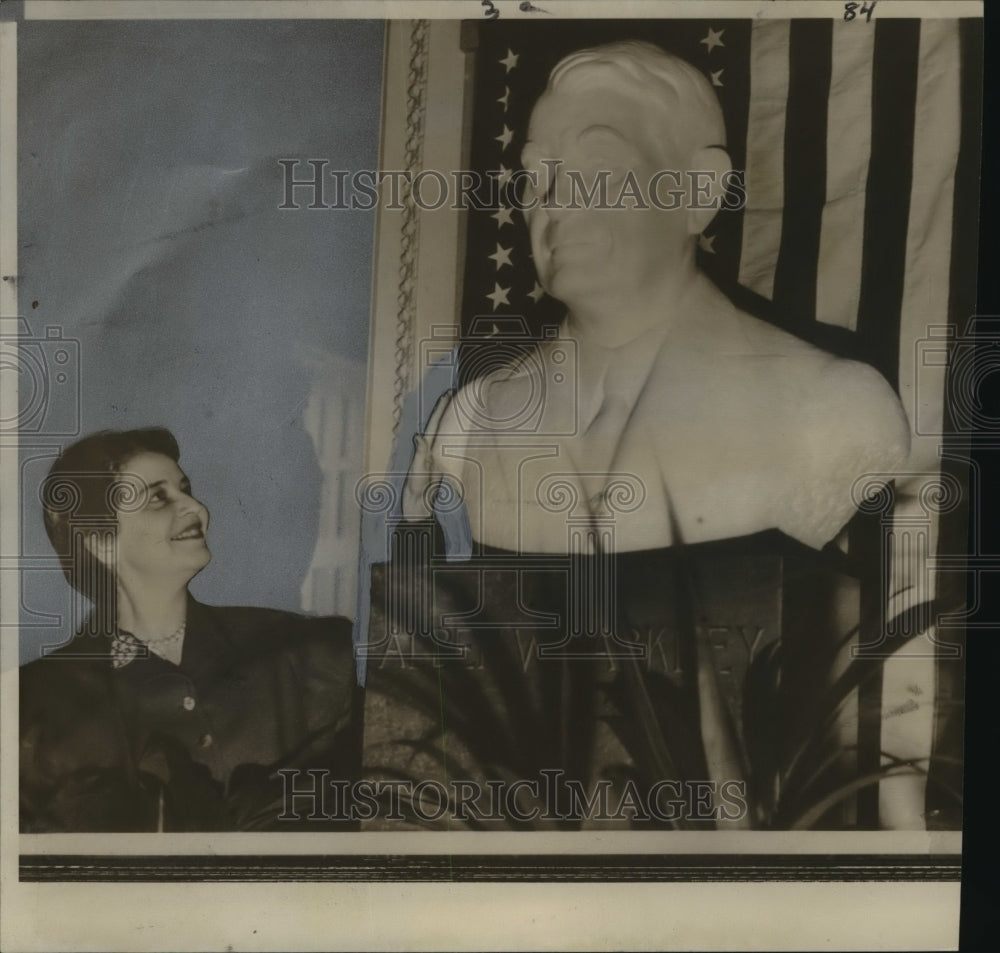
897,865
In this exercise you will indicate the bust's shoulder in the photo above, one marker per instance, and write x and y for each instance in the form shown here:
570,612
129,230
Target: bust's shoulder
839,403
514,371
502,399
838,395
860,409
738,335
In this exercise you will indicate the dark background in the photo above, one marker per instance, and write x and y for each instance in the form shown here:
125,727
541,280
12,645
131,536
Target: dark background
980,922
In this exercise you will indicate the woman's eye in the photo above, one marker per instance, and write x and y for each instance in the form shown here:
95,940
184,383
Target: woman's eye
159,496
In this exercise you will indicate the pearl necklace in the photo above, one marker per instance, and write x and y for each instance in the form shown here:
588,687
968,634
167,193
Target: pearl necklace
126,647
166,640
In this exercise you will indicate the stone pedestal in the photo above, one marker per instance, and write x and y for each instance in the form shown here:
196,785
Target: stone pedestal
539,691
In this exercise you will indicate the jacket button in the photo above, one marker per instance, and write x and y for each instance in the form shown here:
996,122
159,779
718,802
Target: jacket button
188,703
206,740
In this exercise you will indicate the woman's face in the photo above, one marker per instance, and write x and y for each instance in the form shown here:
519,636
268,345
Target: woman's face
161,526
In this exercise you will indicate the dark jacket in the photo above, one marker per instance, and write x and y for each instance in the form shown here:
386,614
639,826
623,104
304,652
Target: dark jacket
195,746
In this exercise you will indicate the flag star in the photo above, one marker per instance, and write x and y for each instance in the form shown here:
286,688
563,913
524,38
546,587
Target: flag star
505,137
503,175
502,215
716,77
705,242
503,98
501,256
498,296
713,39
510,60
536,293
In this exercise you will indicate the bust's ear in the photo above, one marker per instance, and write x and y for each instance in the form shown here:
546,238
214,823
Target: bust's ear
707,186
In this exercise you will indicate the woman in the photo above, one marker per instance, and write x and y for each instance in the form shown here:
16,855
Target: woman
163,713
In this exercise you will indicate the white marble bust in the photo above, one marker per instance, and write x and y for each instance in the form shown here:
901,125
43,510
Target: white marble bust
660,403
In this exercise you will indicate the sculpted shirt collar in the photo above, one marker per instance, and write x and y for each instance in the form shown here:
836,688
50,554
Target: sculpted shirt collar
622,370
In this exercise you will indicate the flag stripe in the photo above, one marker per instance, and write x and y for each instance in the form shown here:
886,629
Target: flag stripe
848,150
953,534
765,181
805,170
928,241
965,227
887,198
925,291
866,542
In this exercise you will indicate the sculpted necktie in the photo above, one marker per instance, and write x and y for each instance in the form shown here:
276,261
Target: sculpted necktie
600,441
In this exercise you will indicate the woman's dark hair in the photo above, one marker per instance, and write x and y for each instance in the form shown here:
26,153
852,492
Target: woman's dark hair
83,494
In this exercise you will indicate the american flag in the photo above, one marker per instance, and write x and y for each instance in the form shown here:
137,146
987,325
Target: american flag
860,141
512,67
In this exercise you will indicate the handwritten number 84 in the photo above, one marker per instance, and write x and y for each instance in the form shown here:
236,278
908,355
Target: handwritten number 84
867,9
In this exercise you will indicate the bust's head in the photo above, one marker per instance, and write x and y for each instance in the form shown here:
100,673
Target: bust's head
634,113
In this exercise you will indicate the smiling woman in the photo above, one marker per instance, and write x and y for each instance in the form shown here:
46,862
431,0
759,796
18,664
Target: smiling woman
163,713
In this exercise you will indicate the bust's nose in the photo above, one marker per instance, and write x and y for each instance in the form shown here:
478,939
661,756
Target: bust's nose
561,196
